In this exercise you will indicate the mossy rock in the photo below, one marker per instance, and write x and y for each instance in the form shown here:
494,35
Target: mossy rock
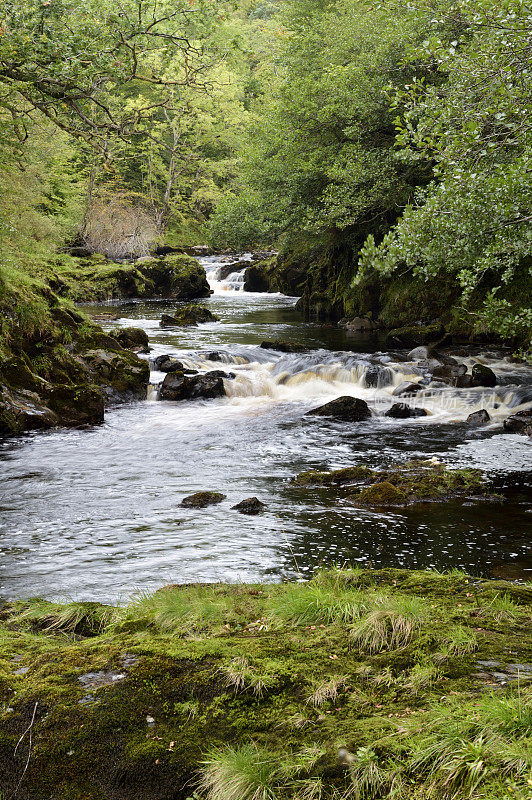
178,276
414,335
336,477
202,499
380,495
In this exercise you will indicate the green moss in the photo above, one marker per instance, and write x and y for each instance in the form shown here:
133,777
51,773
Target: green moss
336,477
380,494
243,672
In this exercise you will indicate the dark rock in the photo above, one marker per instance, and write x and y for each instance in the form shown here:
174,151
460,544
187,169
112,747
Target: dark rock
167,321
177,386
214,357
80,252
450,373
483,376
337,477
521,422
219,373
413,335
135,339
256,279
402,411
224,270
405,388
377,377
187,316
168,363
202,499
252,505
283,347
349,409
478,417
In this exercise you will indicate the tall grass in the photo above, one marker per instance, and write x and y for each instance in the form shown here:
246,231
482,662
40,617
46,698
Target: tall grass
187,609
244,773
87,619
314,604
391,624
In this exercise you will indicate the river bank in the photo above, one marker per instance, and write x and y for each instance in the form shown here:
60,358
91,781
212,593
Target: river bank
370,684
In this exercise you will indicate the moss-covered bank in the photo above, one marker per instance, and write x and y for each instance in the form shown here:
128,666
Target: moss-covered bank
367,684
321,273
56,366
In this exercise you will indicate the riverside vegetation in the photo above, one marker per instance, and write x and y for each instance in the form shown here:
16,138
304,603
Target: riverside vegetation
380,156
357,684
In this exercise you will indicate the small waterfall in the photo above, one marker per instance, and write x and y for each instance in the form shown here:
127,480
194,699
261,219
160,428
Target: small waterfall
222,279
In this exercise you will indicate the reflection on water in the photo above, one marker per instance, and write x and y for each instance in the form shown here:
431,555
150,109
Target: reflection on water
95,513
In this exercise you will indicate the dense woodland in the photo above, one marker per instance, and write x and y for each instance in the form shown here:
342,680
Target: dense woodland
373,145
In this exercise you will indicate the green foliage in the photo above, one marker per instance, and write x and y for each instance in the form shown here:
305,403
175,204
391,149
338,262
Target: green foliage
473,219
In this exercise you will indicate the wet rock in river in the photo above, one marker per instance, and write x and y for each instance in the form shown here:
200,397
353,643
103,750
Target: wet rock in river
283,347
357,324
219,373
404,411
449,373
380,494
202,499
405,388
478,417
348,409
376,377
187,316
167,363
177,386
337,477
251,505
483,376
521,422
419,353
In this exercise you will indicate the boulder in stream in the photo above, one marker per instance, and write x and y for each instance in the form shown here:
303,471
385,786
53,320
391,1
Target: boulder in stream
347,408
406,388
521,422
202,499
478,417
483,376
404,411
414,335
283,347
187,316
177,386
251,506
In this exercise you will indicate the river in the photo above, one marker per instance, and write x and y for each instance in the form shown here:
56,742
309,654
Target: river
95,514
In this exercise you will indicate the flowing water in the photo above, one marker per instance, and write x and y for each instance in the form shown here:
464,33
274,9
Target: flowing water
95,514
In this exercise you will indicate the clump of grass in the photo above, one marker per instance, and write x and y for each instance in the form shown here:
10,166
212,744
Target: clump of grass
371,778
86,619
326,690
421,677
502,608
315,604
391,624
460,641
301,762
188,609
241,676
461,747
244,773
384,678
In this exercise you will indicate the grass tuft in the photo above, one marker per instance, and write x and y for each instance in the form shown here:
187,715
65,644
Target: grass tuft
326,690
314,604
244,773
392,623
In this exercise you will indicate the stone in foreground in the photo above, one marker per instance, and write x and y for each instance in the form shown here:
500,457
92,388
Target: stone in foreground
177,386
347,409
478,417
